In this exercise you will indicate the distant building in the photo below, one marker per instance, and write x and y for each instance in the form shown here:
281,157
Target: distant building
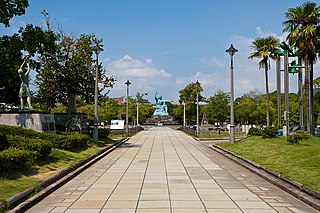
120,100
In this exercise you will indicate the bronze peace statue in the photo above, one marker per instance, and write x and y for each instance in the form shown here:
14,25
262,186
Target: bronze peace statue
24,91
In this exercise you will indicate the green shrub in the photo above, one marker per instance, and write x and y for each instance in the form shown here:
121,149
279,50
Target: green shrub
270,132
13,158
72,141
41,148
3,142
103,133
255,131
67,141
297,136
14,130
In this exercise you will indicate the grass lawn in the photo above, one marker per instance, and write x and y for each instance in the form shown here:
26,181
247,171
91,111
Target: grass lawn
12,182
299,162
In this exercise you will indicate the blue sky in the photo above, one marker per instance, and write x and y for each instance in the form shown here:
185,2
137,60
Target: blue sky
163,45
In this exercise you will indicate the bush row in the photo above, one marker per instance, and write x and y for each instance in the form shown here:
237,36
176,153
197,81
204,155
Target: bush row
271,132
13,158
70,141
297,136
19,146
41,148
268,132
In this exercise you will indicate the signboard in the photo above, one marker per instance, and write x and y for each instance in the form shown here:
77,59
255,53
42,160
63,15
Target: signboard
117,124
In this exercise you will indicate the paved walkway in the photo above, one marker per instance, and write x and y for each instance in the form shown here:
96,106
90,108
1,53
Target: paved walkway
162,170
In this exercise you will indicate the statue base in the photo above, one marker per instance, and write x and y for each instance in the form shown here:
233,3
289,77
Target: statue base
40,122
79,122
164,119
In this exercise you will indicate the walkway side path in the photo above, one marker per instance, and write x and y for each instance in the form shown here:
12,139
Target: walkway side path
162,170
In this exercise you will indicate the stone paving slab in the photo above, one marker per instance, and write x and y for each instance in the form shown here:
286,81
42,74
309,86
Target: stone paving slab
163,170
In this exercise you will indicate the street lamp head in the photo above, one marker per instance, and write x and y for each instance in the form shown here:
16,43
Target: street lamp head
197,83
97,49
128,83
231,50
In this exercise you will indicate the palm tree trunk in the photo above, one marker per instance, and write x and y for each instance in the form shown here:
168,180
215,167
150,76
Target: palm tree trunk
267,93
307,92
311,111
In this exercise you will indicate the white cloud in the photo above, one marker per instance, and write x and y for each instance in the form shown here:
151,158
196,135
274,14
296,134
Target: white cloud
261,33
210,81
213,73
141,73
212,62
148,60
127,66
247,76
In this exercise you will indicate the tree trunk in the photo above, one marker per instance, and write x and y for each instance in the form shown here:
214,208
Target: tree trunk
311,110
71,105
307,92
267,93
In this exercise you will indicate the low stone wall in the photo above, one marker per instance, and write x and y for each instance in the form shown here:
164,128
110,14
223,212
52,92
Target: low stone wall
40,122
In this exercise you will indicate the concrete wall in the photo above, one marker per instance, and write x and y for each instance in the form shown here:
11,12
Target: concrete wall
37,121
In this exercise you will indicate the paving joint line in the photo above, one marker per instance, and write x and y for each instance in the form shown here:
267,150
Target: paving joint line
272,177
165,166
145,172
193,184
51,184
232,176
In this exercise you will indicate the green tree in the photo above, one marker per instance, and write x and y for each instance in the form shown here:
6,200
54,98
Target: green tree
11,8
139,99
265,48
10,59
31,39
246,108
304,32
218,109
189,95
68,73
145,112
316,84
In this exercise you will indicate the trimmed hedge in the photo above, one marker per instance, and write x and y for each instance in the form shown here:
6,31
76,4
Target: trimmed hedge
255,131
297,136
72,141
66,141
3,142
270,132
14,130
20,147
13,158
42,148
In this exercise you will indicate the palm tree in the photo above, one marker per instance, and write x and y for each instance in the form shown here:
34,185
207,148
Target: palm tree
303,25
265,48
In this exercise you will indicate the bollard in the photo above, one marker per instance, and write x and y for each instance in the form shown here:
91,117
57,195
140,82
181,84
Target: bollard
285,131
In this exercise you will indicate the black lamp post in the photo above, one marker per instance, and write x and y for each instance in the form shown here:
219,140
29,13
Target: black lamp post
231,52
197,85
127,108
97,50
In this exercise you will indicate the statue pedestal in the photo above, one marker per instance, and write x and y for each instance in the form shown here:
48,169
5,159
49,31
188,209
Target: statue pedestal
79,122
164,119
40,122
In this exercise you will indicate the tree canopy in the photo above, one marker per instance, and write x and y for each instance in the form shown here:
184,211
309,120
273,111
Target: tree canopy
31,39
218,109
67,73
189,96
11,8
303,25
